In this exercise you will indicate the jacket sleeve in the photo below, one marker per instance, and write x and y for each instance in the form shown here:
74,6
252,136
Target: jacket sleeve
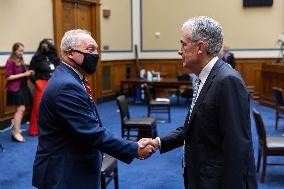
173,140
33,67
9,67
232,60
75,111
234,117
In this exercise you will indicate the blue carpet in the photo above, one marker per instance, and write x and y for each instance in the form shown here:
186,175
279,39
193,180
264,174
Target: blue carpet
160,171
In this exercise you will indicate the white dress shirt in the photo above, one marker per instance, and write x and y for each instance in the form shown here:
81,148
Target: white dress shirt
202,76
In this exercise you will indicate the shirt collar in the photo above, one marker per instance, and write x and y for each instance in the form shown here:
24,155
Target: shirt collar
206,70
76,71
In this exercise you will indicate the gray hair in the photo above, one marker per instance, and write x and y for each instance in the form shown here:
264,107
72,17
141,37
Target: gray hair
209,30
71,39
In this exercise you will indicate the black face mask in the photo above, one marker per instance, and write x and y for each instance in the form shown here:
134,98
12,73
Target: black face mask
45,51
89,63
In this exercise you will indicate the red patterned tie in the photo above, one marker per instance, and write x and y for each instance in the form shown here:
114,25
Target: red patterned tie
87,87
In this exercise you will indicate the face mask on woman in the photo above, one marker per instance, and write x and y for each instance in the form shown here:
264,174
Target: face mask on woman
45,51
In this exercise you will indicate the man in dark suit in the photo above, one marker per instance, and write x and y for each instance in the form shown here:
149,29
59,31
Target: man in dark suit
216,135
71,134
228,56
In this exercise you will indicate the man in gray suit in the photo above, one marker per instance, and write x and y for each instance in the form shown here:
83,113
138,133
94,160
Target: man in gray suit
216,134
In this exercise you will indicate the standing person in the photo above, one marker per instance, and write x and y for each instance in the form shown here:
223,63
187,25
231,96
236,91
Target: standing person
71,134
218,151
18,93
43,63
228,56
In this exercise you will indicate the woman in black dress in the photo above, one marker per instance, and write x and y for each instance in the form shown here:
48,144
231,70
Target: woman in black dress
18,93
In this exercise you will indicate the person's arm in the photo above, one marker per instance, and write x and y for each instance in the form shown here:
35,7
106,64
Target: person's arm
74,109
20,75
11,76
173,140
234,121
169,142
33,66
232,60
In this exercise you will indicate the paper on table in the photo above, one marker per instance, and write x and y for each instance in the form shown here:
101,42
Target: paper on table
163,99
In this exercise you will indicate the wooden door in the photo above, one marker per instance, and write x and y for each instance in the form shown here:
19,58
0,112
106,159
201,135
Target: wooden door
82,14
84,17
69,16
76,15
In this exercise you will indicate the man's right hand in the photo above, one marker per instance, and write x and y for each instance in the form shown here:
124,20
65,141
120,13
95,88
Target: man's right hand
147,147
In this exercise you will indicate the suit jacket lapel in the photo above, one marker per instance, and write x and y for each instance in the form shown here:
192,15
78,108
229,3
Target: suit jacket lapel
91,101
205,88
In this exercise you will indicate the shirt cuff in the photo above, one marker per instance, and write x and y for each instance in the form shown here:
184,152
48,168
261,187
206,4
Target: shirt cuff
159,141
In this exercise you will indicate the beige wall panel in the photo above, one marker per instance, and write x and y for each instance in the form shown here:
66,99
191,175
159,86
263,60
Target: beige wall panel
27,21
256,27
116,29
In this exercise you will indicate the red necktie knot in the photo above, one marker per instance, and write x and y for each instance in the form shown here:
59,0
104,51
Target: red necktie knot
87,86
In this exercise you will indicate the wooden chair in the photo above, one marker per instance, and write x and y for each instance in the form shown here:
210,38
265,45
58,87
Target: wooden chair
109,172
138,127
157,105
267,146
279,105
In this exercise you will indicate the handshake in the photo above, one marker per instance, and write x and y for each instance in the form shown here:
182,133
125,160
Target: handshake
147,147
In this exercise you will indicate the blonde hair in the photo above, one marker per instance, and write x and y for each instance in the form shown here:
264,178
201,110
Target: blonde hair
18,60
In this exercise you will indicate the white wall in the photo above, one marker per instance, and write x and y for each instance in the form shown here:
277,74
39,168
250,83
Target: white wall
25,21
29,21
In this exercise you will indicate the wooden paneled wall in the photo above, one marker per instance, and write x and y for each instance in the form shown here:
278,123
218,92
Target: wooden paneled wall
119,70
112,72
6,112
168,68
272,76
250,69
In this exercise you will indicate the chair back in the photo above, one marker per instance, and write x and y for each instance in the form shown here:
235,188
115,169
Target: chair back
147,93
278,96
123,108
260,127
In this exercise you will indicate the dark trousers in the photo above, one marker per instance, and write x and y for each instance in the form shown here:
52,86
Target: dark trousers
185,178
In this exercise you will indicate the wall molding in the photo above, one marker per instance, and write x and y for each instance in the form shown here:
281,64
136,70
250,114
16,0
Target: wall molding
131,33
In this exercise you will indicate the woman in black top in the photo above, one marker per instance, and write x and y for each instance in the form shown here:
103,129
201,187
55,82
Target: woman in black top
43,63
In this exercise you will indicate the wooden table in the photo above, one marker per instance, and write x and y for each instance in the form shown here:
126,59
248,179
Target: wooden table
162,83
